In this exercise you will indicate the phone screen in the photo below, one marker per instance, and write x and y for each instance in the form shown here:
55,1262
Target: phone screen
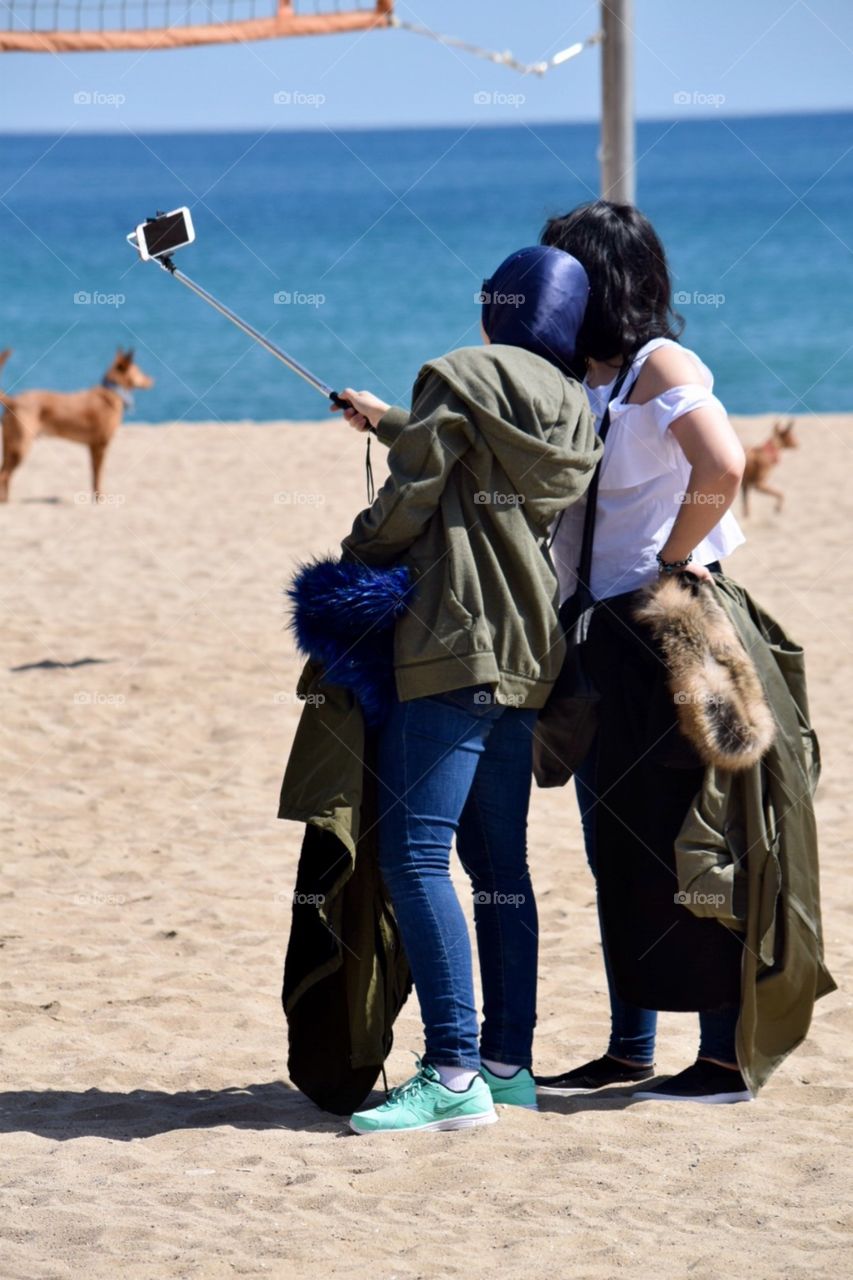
166,233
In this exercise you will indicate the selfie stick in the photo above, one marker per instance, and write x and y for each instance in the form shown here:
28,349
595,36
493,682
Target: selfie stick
168,265
165,261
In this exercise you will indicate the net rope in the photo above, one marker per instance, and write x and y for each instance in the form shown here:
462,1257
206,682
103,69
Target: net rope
505,59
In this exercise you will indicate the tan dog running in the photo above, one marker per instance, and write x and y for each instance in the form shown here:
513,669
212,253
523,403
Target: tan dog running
90,417
762,458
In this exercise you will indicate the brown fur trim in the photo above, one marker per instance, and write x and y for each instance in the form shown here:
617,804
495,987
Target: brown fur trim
721,706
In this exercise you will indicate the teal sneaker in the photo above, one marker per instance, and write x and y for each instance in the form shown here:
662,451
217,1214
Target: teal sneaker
425,1103
513,1091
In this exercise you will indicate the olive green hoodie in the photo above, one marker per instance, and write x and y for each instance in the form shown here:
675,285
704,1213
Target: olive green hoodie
497,443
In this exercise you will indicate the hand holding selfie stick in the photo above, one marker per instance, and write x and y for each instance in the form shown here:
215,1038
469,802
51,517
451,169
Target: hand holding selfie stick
156,240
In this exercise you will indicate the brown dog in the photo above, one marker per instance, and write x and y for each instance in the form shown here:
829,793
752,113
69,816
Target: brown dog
762,458
90,417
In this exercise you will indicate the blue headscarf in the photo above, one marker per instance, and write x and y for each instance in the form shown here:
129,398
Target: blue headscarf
536,299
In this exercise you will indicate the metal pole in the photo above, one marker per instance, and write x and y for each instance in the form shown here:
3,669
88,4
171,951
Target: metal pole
617,102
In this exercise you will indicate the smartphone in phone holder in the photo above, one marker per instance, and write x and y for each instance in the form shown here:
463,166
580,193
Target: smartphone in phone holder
161,236
156,239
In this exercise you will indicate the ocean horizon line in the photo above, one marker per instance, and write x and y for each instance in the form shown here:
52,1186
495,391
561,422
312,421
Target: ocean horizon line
435,127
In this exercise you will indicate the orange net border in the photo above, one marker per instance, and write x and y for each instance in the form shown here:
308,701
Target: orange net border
284,23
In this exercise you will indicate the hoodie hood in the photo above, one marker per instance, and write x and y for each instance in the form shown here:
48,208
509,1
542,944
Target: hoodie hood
535,420
496,444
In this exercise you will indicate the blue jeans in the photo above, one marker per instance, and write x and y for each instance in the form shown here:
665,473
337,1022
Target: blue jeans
460,764
632,1029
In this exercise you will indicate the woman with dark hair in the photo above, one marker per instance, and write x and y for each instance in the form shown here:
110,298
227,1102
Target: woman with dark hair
498,441
630,302
671,469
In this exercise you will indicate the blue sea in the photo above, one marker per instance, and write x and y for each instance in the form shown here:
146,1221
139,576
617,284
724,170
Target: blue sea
361,253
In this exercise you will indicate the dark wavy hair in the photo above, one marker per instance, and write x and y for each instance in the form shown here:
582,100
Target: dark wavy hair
630,299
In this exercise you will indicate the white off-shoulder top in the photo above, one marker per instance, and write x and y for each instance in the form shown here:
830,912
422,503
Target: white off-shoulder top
644,479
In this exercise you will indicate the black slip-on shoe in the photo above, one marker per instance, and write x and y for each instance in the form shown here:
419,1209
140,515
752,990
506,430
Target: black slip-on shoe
703,1082
594,1075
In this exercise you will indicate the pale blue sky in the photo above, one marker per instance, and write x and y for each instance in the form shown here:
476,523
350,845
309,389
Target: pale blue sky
693,57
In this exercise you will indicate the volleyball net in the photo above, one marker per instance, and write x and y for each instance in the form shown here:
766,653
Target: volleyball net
68,26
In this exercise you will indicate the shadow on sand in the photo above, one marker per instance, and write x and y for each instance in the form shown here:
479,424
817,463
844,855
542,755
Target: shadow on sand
616,1099
141,1113
51,664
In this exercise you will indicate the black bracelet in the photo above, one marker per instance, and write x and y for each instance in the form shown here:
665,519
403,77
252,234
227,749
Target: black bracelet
672,566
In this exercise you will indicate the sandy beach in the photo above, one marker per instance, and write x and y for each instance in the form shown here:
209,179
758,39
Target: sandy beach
148,1126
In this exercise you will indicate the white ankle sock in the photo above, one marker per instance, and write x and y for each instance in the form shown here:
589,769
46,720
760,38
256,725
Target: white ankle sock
500,1068
456,1078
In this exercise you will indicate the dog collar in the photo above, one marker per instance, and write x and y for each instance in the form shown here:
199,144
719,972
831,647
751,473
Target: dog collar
122,392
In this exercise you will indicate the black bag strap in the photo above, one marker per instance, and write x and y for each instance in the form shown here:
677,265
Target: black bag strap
585,564
592,493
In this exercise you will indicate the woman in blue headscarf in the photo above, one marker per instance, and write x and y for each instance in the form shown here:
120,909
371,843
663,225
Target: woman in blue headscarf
537,300
498,441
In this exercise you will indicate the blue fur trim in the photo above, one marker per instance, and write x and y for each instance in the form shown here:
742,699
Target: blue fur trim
343,617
